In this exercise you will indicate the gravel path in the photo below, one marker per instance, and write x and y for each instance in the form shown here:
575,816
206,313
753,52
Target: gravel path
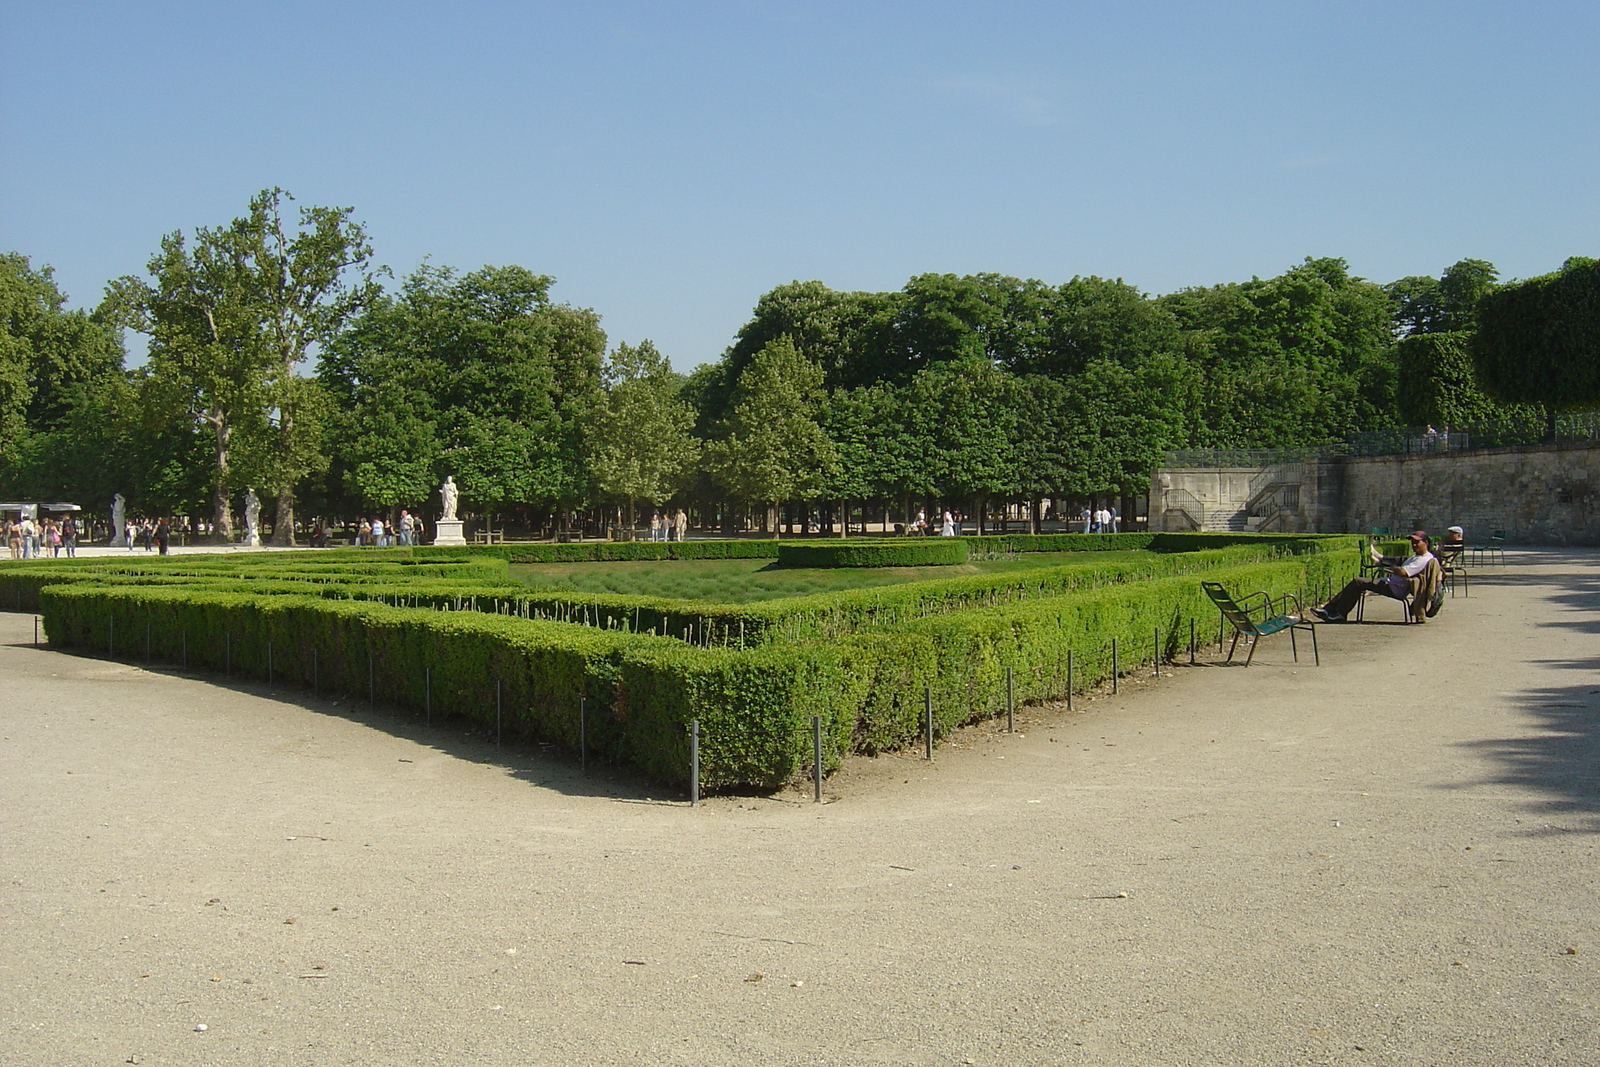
1390,859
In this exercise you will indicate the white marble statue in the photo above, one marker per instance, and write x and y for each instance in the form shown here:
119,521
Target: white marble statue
119,511
252,519
448,493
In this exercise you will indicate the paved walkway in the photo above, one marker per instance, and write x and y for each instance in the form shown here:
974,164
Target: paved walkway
1388,860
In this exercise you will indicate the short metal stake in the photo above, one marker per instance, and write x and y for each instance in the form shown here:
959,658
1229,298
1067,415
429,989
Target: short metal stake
372,683
927,721
269,664
1069,679
1011,703
316,682
36,631
147,640
583,733
186,650
694,762
111,637
1156,661
499,710
1113,666
816,755
427,695
1191,642
227,653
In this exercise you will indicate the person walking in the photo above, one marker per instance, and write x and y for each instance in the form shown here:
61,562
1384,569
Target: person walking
163,534
681,521
69,537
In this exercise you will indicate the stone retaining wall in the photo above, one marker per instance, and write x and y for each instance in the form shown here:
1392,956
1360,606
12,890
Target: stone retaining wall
1539,495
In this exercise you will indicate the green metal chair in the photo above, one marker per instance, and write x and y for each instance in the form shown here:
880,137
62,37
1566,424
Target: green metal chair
1452,566
1495,545
1242,615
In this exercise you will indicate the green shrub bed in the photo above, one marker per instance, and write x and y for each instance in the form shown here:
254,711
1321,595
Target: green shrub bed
902,552
438,633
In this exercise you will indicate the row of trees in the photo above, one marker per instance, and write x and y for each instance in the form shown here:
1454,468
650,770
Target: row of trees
279,359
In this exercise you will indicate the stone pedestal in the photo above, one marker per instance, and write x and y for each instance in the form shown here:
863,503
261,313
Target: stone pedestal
448,532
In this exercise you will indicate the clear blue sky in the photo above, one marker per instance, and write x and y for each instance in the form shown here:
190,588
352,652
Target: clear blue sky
669,162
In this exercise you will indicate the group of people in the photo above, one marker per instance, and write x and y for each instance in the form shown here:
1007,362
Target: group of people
1401,580
1100,520
28,539
379,532
147,534
949,524
673,526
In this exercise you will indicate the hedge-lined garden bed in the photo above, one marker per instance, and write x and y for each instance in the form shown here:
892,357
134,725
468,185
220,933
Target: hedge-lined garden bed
438,632
901,552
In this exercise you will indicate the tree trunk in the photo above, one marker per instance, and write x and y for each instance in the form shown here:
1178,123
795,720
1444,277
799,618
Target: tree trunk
221,512
283,524
983,506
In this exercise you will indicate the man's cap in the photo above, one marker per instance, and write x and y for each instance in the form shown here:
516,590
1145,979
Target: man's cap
1453,529
1419,535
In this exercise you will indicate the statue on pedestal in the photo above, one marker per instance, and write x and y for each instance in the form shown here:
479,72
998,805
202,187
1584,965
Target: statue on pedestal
448,494
252,516
119,511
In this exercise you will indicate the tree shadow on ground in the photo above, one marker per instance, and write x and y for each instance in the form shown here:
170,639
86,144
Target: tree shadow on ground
541,764
1558,756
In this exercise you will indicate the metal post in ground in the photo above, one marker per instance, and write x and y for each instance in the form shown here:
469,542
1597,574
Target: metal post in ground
1069,679
186,650
227,653
1156,661
1191,642
316,682
111,637
146,640
269,664
427,695
499,709
927,721
372,683
36,631
1113,666
1011,703
694,762
816,756
583,733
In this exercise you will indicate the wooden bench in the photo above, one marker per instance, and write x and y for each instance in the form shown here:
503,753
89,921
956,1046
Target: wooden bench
1242,615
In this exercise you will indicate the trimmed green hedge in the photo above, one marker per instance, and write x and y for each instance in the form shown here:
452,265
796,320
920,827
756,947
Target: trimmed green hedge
755,707
858,659
901,552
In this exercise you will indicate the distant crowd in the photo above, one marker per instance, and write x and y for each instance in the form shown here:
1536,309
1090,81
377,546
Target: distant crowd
28,539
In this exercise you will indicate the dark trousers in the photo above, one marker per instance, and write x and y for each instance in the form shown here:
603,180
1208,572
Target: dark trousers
1345,602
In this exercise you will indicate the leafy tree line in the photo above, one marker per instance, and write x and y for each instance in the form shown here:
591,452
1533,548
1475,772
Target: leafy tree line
280,360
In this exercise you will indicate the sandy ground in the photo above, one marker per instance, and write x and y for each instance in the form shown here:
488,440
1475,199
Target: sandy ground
1390,859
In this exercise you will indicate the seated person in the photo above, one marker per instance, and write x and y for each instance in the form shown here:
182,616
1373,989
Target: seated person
1452,546
1394,584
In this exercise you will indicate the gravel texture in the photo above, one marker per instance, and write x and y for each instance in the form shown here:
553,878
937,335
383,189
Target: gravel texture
1390,859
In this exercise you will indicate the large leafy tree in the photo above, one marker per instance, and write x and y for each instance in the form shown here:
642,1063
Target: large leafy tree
475,375
50,358
771,447
209,360
230,317
1300,359
640,440
1446,304
1538,340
